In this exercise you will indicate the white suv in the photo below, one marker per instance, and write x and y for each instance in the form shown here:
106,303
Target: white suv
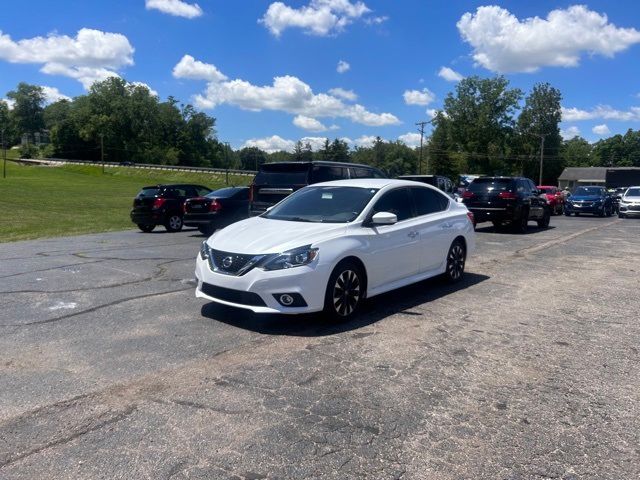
330,245
629,203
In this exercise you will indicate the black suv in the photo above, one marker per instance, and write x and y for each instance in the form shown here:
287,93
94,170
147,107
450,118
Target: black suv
163,205
438,181
507,201
275,181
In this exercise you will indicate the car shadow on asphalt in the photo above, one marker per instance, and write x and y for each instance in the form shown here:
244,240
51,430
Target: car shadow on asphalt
378,308
506,230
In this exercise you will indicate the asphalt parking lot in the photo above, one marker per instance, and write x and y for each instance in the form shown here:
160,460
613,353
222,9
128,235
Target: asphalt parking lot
529,369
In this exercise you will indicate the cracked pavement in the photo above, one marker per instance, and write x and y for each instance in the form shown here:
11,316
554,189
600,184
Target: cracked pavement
110,368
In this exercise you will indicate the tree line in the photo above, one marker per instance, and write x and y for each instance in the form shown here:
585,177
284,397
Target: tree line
485,126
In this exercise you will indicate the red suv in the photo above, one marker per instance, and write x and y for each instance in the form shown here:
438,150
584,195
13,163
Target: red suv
554,197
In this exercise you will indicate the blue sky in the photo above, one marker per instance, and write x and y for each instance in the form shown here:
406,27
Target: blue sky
269,71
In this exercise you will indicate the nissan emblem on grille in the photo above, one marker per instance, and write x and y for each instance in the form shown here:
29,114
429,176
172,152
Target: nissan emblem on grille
227,262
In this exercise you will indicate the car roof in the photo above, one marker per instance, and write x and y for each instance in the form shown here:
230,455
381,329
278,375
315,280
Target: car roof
371,183
165,185
323,162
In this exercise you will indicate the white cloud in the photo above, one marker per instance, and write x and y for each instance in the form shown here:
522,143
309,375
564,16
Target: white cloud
287,94
410,139
192,69
376,20
343,67
349,95
144,85
502,43
52,94
275,143
601,129
604,112
92,55
10,103
432,112
365,141
417,97
570,132
176,8
308,123
449,75
320,17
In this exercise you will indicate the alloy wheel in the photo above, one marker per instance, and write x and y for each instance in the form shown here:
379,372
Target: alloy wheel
455,262
346,293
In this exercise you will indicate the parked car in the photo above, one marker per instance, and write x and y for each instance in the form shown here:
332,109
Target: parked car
593,200
331,245
554,197
630,203
513,201
438,181
163,205
616,195
217,209
275,181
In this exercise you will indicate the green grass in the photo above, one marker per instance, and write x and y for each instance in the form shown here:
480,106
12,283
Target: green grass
39,201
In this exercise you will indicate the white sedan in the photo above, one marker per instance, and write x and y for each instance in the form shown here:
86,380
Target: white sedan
331,245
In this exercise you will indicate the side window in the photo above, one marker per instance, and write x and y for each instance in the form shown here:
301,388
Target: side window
190,192
326,174
361,173
169,193
532,186
520,188
526,187
377,174
428,201
396,201
202,191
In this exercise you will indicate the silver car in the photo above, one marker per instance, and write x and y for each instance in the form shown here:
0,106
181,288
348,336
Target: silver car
630,203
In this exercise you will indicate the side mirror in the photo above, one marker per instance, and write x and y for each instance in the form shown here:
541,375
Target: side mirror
384,218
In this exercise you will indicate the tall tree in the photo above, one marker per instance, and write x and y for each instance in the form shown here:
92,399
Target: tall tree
481,121
27,109
577,152
540,118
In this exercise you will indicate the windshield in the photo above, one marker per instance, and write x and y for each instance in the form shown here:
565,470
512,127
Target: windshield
587,191
223,193
490,184
323,205
633,192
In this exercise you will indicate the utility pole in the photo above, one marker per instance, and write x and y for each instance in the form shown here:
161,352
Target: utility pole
102,150
542,137
4,157
421,130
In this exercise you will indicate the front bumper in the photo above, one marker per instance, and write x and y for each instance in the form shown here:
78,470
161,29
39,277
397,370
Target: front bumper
629,210
308,281
594,209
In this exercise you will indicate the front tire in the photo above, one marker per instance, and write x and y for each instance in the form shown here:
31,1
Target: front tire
345,291
621,215
456,259
174,223
146,228
521,224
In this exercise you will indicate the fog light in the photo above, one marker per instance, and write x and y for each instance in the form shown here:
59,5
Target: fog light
286,299
290,299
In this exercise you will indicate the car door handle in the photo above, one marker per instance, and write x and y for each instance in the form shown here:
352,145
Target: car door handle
413,234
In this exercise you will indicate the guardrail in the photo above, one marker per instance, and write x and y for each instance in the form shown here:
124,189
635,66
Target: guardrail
147,166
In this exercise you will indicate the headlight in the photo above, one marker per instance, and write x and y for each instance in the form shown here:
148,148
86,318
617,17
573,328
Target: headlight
292,258
204,250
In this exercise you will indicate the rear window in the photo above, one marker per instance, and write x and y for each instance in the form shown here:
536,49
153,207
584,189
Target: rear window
148,192
490,184
223,193
283,174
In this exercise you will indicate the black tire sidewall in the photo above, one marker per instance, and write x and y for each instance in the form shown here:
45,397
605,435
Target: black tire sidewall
329,309
446,273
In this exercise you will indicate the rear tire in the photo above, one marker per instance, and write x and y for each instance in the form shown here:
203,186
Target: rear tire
345,292
174,223
521,224
456,259
146,228
544,221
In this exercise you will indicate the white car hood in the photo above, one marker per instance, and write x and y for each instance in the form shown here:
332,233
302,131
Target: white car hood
631,199
261,235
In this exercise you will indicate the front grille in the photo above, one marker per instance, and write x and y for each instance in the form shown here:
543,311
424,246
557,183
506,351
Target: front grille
227,262
233,296
634,208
